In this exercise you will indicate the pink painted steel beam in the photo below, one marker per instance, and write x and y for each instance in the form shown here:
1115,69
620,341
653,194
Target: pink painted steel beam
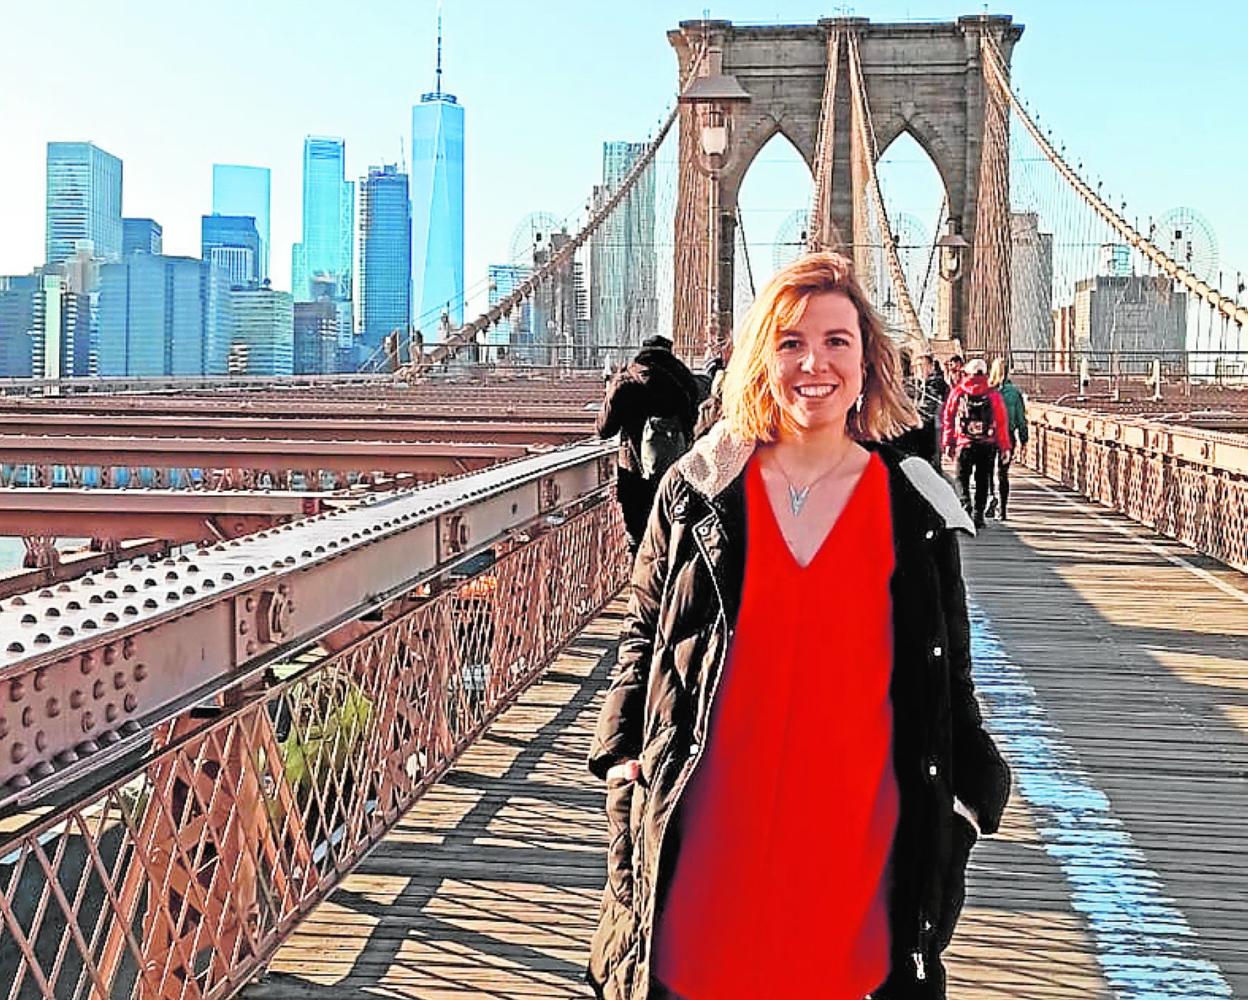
229,427
176,516
425,457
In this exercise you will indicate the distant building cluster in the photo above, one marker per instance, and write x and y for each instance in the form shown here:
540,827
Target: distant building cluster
1110,310
376,274
378,258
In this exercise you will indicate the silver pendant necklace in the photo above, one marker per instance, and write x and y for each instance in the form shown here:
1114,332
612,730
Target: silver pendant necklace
798,497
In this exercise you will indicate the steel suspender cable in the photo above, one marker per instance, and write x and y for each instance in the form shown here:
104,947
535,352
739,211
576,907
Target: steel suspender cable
1237,314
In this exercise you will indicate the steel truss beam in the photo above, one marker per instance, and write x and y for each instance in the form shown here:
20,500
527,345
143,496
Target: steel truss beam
103,657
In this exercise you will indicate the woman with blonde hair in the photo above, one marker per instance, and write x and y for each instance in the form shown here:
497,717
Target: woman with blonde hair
795,762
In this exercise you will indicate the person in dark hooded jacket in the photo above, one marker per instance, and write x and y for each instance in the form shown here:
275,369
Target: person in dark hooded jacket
655,383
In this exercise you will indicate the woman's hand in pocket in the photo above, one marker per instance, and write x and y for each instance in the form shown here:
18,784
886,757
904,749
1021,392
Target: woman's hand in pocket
628,770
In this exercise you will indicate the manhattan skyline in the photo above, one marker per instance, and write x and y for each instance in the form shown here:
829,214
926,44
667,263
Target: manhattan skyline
546,92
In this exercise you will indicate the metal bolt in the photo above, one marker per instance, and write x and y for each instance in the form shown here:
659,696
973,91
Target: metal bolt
17,689
54,707
97,690
250,604
76,698
130,702
127,648
140,671
251,647
41,679
88,721
41,741
111,712
28,716
87,747
18,753
110,654
242,628
119,680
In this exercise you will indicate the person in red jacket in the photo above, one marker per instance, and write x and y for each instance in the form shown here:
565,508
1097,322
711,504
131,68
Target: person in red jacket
976,431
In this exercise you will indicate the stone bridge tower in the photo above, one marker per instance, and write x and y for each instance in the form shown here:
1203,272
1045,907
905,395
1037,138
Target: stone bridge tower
922,78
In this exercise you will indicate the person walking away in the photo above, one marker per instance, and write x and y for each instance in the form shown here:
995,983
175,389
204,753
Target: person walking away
1016,420
794,759
929,393
652,403
976,433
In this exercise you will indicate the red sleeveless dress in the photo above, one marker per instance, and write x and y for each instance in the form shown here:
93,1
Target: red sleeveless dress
780,886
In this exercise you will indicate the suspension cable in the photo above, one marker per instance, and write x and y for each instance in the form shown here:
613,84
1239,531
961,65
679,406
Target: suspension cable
862,119
818,236
1237,314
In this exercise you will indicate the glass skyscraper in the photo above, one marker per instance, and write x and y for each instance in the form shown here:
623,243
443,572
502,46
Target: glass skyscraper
238,190
232,243
83,201
328,221
516,331
17,323
385,256
624,307
141,236
437,208
262,329
162,316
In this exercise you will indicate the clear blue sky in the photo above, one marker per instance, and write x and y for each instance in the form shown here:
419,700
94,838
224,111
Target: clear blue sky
1149,94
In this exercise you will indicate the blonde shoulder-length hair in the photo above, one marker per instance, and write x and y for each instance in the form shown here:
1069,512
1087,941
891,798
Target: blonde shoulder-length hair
750,407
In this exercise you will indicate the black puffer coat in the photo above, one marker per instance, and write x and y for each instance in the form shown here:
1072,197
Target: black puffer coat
686,589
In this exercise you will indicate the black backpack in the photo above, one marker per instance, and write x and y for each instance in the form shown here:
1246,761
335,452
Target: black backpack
663,441
976,420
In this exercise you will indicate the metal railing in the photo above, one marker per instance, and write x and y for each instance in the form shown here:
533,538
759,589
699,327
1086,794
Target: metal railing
1188,484
223,818
1053,373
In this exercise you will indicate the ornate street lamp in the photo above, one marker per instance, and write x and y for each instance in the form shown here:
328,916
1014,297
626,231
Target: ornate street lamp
715,97
952,246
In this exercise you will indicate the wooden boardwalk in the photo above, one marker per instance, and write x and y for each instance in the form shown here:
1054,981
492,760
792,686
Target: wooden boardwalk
1114,669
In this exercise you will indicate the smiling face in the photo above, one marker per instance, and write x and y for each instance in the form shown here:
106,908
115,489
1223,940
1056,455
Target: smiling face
817,369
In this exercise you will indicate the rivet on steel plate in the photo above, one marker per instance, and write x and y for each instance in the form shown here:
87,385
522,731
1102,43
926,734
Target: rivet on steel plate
130,727
227,577
90,625
65,758
76,698
73,606
129,588
41,741
87,747
18,753
29,619
65,631
18,601
53,613
130,703
15,647
64,588
171,596
251,647
140,671
88,721
97,690
149,603
111,712
109,738
42,639
171,575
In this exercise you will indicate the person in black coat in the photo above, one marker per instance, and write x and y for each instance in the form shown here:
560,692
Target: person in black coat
655,383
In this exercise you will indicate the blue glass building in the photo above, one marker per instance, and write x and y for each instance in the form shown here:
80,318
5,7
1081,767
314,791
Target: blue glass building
385,256
83,201
17,323
239,190
515,332
437,185
262,331
328,242
232,243
141,236
162,316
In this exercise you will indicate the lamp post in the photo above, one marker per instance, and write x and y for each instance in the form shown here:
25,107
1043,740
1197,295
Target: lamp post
952,248
714,96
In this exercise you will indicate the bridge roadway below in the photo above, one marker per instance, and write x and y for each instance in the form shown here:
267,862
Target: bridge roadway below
1113,667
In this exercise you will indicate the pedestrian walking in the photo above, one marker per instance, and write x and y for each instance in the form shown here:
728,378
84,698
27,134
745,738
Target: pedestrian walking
976,432
928,390
1016,420
794,758
652,404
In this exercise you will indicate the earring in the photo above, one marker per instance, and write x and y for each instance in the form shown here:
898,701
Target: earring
858,402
